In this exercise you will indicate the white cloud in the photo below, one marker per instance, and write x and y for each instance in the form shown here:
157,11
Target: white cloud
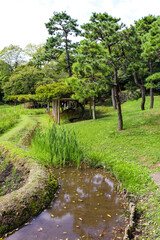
22,21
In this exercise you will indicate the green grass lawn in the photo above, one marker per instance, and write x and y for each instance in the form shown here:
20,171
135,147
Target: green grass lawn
130,155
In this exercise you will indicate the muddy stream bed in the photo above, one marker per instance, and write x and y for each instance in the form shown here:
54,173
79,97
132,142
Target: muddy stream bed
86,206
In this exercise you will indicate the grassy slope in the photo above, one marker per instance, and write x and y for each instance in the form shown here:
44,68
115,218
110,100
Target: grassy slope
8,118
130,154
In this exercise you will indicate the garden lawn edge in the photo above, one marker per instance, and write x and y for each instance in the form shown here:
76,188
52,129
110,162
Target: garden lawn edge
23,204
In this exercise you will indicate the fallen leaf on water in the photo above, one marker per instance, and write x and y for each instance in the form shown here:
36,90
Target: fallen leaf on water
40,229
57,225
80,200
83,236
26,223
52,215
64,232
108,215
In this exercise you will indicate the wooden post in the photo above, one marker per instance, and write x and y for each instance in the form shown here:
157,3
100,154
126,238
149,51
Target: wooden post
54,109
48,107
58,111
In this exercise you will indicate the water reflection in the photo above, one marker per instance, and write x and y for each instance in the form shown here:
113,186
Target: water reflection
87,207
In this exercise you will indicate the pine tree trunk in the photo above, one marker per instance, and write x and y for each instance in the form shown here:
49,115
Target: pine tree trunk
90,109
93,110
143,93
120,120
151,89
152,98
113,98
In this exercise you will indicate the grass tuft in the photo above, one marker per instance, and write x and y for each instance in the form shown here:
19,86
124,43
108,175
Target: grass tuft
56,146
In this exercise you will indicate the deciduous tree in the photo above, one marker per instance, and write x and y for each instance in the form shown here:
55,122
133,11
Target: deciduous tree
13,55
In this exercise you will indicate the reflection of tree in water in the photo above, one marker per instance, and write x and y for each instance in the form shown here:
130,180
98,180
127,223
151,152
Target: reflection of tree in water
89,197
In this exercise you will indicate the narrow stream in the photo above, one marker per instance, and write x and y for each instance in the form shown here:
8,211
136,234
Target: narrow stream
85,207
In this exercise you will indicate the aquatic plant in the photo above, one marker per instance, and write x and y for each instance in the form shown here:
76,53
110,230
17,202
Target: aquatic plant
56,146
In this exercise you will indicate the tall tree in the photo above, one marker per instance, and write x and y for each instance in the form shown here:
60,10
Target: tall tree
107,30
13,55
151,49
61,27
33,53
23,81
88,69
138,66
143,26
4,76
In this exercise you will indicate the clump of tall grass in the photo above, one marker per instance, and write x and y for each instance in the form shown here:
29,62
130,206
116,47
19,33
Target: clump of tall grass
56,146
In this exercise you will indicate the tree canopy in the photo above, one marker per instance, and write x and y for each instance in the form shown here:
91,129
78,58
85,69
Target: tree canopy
111,57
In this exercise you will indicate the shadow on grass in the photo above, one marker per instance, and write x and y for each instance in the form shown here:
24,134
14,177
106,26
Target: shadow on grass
86,116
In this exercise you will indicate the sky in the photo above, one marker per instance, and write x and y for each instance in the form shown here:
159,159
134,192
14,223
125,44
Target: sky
23,21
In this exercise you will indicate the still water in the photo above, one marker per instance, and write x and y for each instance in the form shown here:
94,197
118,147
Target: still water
85,207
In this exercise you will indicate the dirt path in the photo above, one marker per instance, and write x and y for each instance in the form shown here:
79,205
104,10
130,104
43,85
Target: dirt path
156,177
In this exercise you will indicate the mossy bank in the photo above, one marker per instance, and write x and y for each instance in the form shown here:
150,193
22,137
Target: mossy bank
37,192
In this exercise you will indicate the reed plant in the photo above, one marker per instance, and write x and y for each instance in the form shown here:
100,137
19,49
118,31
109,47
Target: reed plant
56,146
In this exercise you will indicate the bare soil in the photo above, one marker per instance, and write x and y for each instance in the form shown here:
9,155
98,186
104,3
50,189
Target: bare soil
11,178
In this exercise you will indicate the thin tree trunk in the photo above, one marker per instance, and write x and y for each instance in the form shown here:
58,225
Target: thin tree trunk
143,91
152,98
93,110
120,120
113,98
151,89
90,109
